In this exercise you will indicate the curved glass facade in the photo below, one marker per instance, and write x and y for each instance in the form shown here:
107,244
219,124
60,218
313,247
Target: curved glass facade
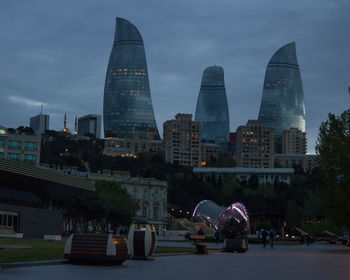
210,213
127,104
282,104
212,109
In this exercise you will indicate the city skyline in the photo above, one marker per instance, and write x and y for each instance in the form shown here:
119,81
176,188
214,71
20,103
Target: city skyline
61,57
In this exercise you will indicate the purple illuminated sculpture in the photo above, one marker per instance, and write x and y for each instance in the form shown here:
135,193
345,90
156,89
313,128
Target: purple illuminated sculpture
209,212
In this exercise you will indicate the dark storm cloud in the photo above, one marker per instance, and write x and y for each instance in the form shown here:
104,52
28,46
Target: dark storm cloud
56,53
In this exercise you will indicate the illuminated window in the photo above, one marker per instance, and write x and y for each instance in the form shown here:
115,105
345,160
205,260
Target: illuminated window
30,146
14,145
30,158
14,156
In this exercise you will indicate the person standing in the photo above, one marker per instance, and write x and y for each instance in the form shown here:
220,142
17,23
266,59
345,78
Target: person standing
271,237
217,236
264,237
307,239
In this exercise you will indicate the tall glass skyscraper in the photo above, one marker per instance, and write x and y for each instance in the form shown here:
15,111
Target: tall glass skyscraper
212,109
127,104
282,104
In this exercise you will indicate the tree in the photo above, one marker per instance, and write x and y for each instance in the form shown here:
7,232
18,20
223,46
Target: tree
11,130
292,214
106,208
117,202
229,185
333,147
253,182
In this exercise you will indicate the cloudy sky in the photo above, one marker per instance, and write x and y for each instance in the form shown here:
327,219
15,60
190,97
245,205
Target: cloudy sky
55,53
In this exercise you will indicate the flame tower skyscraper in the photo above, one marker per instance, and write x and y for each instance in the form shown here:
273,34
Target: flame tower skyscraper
212,108
282,105
127,104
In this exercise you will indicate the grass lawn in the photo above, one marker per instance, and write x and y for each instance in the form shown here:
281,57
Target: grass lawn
43,250
53,250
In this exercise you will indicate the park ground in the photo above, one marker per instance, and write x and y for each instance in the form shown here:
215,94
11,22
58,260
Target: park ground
282,262
44,250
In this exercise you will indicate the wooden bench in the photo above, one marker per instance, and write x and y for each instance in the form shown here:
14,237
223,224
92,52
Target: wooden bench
7,230
197,241
102,248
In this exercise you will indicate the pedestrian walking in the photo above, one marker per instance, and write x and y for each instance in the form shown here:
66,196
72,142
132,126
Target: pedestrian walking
307,238
217,236
271,237
264,237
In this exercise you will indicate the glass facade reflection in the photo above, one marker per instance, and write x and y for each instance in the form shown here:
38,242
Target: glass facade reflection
212,108
282,104
127,105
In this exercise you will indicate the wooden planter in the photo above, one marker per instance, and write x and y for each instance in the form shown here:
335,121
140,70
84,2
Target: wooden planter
101,249
236,245
142,241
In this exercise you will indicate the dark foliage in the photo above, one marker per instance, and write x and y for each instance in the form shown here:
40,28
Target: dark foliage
333,147
107,208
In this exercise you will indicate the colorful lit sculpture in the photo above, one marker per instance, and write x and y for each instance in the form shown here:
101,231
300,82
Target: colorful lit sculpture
209,212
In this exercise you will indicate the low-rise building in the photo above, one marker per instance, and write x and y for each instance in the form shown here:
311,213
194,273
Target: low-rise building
130,147
307,162
31,197
21,147
265,175
150,194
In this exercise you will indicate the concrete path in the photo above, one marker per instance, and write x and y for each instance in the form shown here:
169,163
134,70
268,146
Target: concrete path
186,244
284,262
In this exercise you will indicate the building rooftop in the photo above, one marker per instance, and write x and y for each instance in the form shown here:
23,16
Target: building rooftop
243,170
28,178
296,155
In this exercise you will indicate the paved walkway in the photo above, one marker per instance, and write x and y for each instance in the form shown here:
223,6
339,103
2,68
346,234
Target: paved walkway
185,244
284,262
